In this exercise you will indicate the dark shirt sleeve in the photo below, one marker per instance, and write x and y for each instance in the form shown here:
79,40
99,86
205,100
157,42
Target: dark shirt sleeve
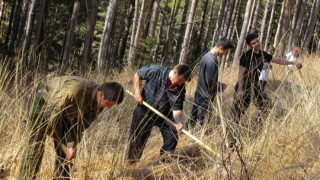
244,61
267,56
145,72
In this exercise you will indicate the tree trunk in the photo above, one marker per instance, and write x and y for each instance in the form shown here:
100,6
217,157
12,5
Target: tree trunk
311,24
256,17
264,22
234,20
15,25
37,43
10,26
187,36
126,34
146,21
285,28
68,45
181,31
243,32
169,36
199,39
28,32
134,46
268,34
228,18
2,5
22,23
218,28
208,28
105,39
154,19
294,23
296,32
278,35
91,24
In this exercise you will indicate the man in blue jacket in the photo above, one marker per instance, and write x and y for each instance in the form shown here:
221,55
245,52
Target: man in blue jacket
164,89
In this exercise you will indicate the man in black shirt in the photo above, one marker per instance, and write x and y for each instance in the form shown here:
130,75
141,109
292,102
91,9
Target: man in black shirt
247,87
164,89
207,84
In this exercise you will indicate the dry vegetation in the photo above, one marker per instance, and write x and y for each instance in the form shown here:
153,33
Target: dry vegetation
286,146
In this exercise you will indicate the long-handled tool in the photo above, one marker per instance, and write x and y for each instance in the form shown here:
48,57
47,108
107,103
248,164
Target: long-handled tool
175,125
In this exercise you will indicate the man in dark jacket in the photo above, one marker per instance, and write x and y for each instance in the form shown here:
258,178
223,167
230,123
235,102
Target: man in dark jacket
63,108
207,84
164,89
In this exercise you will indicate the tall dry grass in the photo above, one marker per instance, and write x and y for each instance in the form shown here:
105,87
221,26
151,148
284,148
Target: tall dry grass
285,146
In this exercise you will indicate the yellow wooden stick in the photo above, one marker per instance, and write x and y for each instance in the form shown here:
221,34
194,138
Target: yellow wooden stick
175,125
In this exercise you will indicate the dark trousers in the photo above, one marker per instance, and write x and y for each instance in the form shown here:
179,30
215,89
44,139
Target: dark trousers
262,85
37,128
199,109
255,94
141,126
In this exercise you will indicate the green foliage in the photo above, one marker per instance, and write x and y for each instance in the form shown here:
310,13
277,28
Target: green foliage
144,53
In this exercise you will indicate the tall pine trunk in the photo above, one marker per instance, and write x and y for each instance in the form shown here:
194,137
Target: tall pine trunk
187,35
285,28
105,40
22,23
296,32
154,19
208,28
136,37
264,23
15,25
28,32
243,32
91,23
311,24
181,31
268,34
69,42
256,17
278,35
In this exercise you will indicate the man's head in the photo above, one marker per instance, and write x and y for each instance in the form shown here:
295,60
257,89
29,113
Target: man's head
222,47
109,94
253,42
271,50
180,74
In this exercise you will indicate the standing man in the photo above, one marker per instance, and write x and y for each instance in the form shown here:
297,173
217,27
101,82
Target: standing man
164,89
63,108
247,87
207,84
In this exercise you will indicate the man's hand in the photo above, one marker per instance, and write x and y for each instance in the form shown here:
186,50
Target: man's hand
71,153
240,93
298,65
138,98
179,127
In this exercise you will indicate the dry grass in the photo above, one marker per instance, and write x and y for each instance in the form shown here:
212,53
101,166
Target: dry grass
285,147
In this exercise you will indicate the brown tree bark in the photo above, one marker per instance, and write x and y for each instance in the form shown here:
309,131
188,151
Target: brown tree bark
169,36
22,23
187,35
154,19
264,23
28,32
69,42
227,22
311,24
268,34
105,39
183,25
208,28
218,29
134,46
285,28
91,23
296,32
256,17
243,32
15,25
37,42
278,35
126,33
